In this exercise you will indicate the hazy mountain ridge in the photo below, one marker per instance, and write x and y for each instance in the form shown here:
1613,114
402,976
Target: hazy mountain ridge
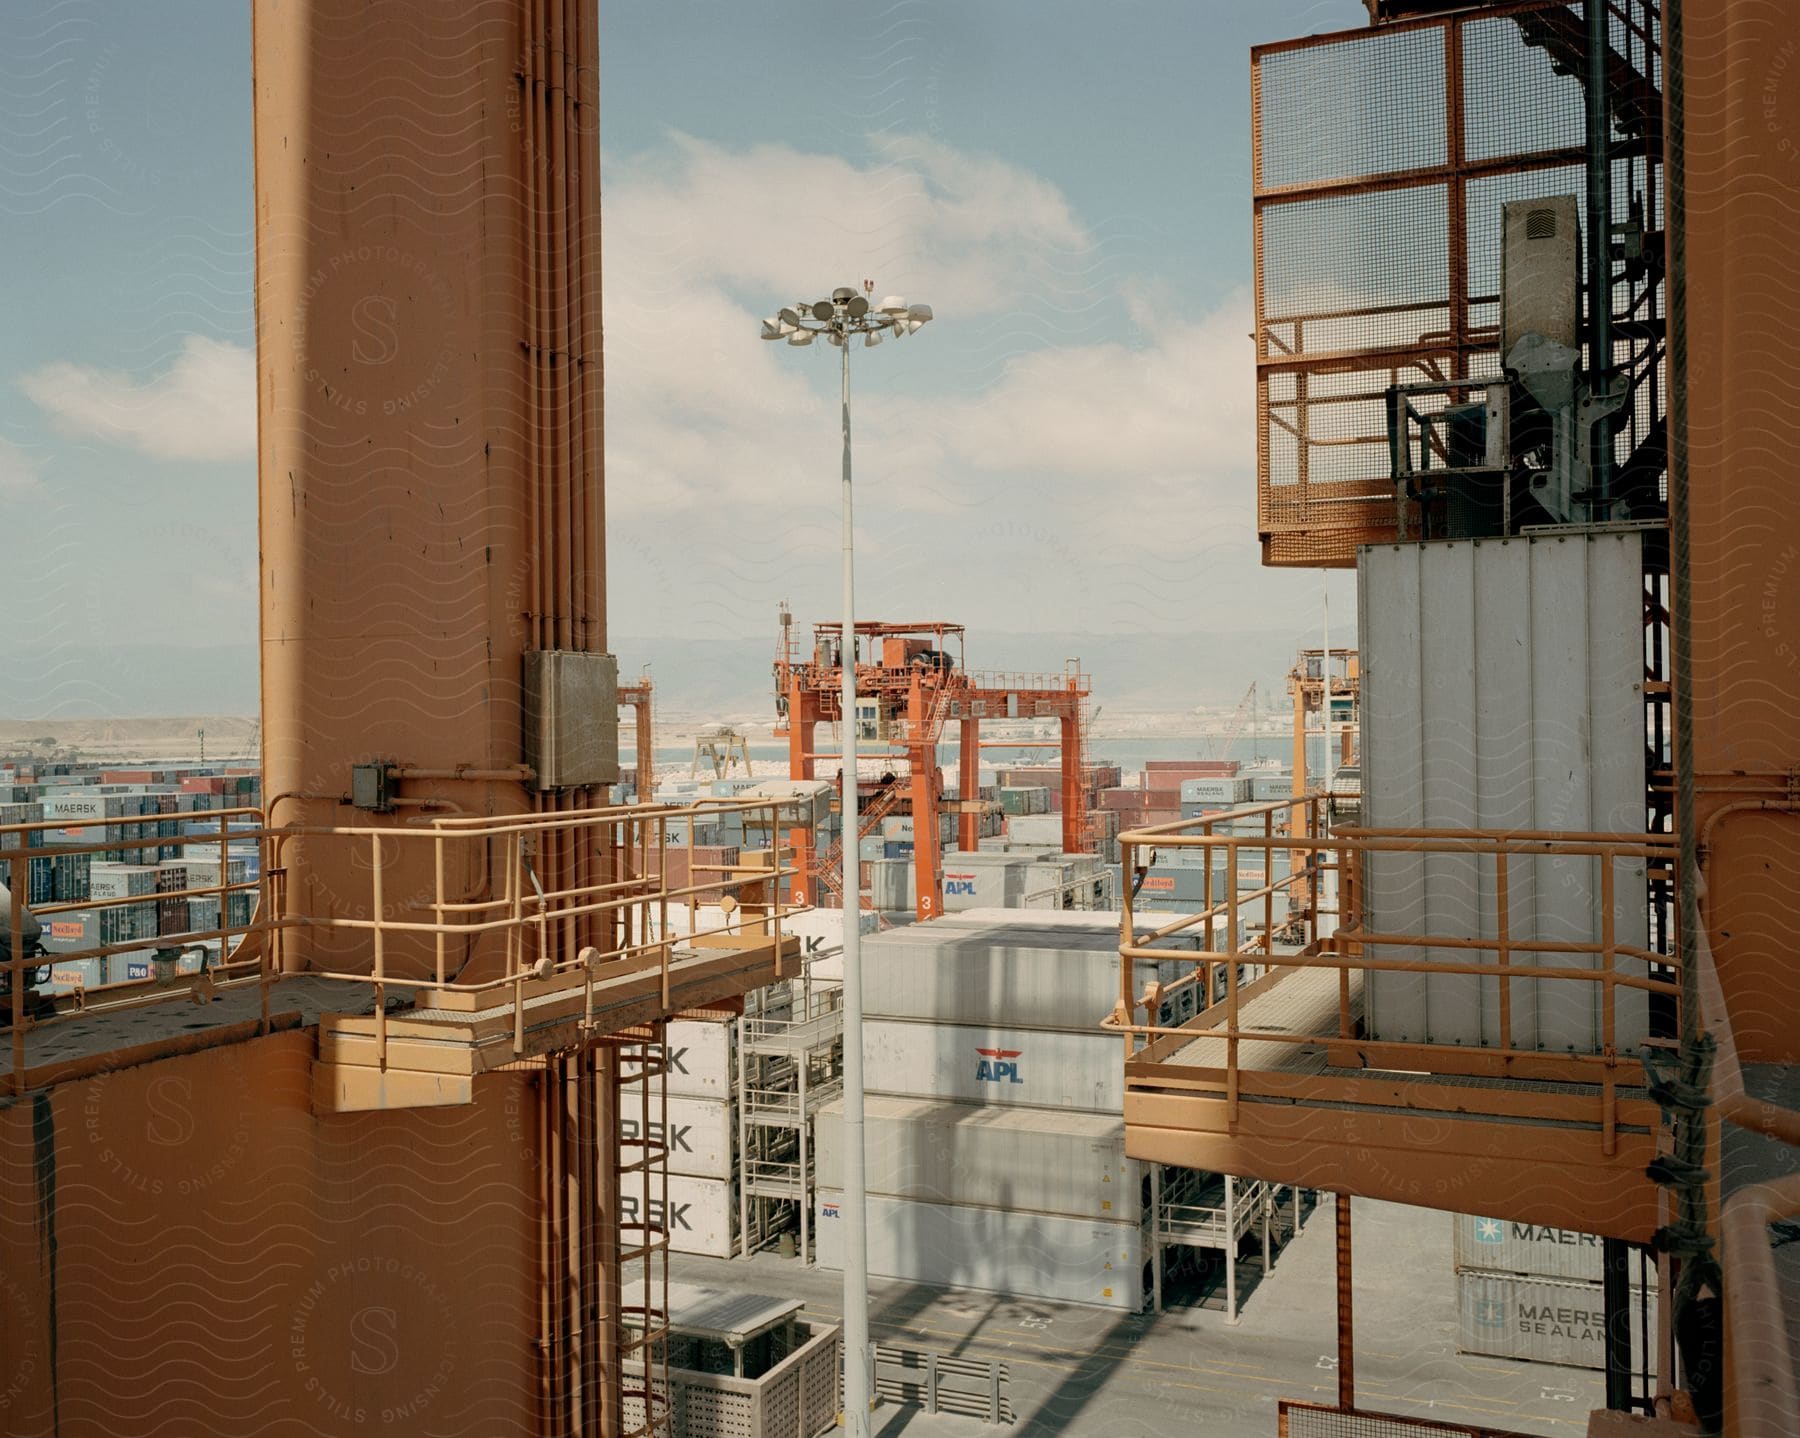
1155,671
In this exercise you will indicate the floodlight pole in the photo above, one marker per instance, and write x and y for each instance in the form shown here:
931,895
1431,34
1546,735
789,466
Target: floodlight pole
858,1385
841,319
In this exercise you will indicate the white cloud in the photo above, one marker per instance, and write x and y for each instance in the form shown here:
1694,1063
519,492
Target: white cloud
1018,466
202,407
18,471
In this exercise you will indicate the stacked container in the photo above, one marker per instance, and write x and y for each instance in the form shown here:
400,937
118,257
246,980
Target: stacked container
982,879
1213,793
699,1204
1529,1292
995,1143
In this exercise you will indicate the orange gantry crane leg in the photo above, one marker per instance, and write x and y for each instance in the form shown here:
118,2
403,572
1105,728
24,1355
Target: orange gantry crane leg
968,784
922,760
1073,807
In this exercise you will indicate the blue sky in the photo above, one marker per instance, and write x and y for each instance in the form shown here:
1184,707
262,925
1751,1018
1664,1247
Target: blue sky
1066,449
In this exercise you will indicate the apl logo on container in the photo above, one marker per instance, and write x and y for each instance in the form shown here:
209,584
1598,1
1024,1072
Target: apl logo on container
998,1066
828,1210
963,884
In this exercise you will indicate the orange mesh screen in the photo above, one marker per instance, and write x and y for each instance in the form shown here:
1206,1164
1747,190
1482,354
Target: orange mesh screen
1381,158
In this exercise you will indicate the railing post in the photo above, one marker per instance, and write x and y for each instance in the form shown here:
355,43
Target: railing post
1127,940
1269,884
1609,990
438,858
380,955
1503,940
226,894
662,886
1348,914
265,908
16,967
1231,979
515,936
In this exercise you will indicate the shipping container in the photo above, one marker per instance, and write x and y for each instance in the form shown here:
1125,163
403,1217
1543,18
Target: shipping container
1502,690
1268,785
1025,1255
68,975
985,1064
122,881
701,1214
1036,829
1539,1320
890,884
1217,792
1024,799
702,1059
702,1135
982,880
1014,972
1043,1160
1192,768
1503,1246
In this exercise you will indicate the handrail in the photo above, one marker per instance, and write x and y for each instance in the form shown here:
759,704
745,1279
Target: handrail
534,922
238,965
1351,947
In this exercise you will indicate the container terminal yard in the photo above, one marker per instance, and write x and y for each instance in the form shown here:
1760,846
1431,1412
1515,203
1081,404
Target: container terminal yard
420,1065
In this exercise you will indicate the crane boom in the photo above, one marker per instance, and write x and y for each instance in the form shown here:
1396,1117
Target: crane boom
1222,747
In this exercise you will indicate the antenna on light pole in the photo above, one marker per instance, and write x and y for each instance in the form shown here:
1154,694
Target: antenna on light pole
840,319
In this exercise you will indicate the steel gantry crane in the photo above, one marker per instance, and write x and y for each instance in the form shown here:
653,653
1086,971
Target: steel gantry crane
909,687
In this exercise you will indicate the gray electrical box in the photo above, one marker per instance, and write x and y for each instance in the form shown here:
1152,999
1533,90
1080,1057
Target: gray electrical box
571,717
1540,271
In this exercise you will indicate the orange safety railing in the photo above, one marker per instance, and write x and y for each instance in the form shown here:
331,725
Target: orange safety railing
1351,948
524,925
167,975
521,913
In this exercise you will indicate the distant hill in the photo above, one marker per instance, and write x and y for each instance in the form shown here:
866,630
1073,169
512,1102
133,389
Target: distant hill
127,681
1171,672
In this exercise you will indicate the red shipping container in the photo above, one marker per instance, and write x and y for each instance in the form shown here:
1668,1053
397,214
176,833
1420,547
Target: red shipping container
203,784
126,776
1194,768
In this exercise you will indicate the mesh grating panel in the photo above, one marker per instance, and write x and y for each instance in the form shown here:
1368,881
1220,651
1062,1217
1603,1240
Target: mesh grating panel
1378,252
1306,1420
1514,101
1354,272
1383,92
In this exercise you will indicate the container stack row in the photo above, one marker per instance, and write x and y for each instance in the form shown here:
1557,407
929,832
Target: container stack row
996,1155
698,1205
1525,1291
160,804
